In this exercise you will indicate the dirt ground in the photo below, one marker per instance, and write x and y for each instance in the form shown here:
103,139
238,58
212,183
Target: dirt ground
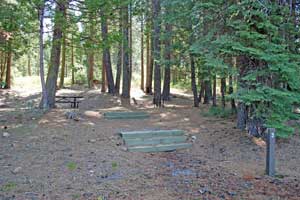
48,157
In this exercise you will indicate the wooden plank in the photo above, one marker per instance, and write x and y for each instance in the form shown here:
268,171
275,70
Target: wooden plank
151,133
159,148
155,140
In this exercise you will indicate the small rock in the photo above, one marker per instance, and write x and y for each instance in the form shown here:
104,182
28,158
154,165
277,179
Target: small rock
72,115
119,144
204,190
194,138
124,148
87,194
17,170
92,140
6,134
31,195
231,193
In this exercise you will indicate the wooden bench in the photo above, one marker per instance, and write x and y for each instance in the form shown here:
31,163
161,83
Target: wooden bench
73,100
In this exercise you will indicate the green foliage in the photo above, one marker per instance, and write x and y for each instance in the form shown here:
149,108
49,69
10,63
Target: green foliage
114,165
268,65
8,187
218,112
72,166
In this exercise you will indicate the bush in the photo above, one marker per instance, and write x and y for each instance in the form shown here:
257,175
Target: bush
219,112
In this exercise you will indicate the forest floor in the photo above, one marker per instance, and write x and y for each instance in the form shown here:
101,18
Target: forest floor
44,156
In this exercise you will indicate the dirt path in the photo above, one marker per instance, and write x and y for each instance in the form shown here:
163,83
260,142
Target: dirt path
51,157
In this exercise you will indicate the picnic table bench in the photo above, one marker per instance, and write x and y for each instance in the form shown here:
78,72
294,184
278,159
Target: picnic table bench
73,100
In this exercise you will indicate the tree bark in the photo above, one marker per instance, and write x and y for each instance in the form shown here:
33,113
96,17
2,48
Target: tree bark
90,76
149,44
126,57
8,68
119,70
223,90
193,82
233,106
215,91
106,56
167,75
130,44
72,63
44,103
29,65
63,62
55,53
242,116
201,92
242,112
142,54
156,53
103,85
120,57
3,66
207,91
90,53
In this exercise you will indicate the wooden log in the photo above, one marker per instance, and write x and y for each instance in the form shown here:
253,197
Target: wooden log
151,133
155,141
159,148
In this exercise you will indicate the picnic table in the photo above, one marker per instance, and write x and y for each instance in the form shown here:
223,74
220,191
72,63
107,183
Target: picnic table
73,100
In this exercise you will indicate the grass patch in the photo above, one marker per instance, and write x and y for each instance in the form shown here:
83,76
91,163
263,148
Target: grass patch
72,166
218,112
76,196
114,165
8,187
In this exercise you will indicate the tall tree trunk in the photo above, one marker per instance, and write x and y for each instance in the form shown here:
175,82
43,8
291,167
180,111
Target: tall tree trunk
8,67
156,53
90,54
106,56
207,91
90,58
126,67
167,75
142,54
215,91
29,65
63,62
193,82
55,53
103,85
242,116
130,45
44,103
119,70
242,112
223,90
149,44
72,63
233,107
202,89
120,56
3,66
